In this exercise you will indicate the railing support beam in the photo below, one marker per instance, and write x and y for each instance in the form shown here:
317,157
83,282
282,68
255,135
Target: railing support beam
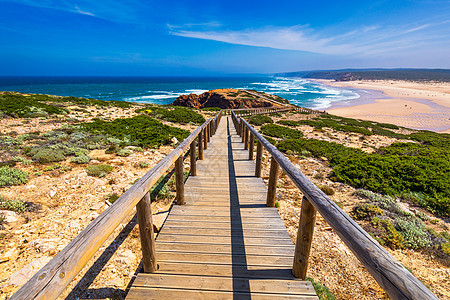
259,149
205,138
179,180
246,132
251,146
193,155
273,179
144,216
200,146
304,239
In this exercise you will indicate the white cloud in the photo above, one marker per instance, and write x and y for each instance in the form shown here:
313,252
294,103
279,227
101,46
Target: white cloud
364,41
113,10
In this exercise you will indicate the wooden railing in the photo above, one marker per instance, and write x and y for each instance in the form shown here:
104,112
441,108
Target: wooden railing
394,278
241,112
50,281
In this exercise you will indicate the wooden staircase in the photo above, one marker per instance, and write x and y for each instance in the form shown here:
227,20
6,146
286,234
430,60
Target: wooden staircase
224,243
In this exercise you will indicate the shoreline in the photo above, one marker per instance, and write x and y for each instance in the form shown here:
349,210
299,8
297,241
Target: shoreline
421,106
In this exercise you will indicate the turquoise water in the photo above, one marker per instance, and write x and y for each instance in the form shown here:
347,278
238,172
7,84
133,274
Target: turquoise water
164,90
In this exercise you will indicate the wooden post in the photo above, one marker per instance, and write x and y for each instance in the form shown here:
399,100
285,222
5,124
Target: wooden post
246,132
242,131
179,180
144,216
304,239
208,132
251,146
273,178
193,153
200,146
205,139
259,149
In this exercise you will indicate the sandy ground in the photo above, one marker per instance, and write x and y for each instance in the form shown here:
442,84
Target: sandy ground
424,106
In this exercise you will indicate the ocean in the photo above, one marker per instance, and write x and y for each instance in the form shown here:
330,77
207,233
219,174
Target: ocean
164,90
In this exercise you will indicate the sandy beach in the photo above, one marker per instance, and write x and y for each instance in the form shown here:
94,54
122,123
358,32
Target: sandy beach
424,106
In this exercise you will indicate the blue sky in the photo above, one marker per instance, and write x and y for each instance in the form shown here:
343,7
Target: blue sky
142,37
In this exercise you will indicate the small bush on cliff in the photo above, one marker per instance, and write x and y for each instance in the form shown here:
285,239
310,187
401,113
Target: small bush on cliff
12,176
280,131
259,120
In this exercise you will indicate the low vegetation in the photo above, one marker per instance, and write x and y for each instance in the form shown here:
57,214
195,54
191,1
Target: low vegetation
181,115
19,106
99,170
322,291
141,130
416,172
37,105
259,120
281,132
398,228
15,205
12,176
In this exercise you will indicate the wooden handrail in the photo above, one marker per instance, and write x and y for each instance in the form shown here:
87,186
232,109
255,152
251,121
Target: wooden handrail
51,280
392,276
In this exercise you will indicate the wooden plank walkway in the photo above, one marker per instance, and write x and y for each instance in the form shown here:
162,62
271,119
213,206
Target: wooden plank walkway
224,243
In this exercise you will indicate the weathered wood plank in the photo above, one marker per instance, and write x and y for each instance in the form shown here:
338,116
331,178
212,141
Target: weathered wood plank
250,272
210,283
235,259
275,233
267,250
236,240
140,293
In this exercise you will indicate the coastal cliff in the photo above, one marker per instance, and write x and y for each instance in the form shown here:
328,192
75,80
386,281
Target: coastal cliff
229,98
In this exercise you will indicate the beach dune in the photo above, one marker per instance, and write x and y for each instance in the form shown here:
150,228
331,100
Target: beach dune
423,106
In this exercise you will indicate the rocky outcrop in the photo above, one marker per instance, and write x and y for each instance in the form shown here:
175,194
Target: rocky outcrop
223,98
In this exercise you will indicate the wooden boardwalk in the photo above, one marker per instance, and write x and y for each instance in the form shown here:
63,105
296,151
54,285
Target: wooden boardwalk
224,243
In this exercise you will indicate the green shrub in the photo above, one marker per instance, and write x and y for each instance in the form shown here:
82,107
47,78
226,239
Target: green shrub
414,233
389,234
288,123
398,169
322,291
140,131
259,120
143,164
280,131
12,176
99,170
270,140
445,247
13,205
124,152
84,159
211,109
111,198
366,211
181,115
22,160
15,105
75,151
46,155
327,190
334,152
